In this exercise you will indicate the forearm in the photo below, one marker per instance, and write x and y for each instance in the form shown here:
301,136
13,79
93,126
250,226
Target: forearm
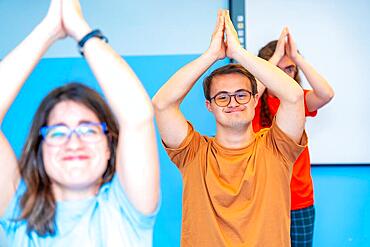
274,60
177,87
280,84
319,84
124,92
18,65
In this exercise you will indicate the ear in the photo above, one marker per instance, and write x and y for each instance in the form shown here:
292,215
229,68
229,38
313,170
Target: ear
107,151
208,105
256,99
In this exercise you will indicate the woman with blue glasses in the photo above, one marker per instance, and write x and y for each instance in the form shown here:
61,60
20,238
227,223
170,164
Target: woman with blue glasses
87,175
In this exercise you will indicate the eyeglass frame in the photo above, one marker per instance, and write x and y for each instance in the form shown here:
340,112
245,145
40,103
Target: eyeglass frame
45,129
232,95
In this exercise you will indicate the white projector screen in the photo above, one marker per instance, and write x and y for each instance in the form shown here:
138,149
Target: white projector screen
334,36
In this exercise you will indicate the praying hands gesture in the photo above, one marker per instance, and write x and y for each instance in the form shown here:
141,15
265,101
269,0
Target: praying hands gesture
224,41
285,46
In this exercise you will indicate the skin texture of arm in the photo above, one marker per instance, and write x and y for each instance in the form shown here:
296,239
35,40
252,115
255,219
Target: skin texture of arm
171,122
321,92
290,116
12,77
137,161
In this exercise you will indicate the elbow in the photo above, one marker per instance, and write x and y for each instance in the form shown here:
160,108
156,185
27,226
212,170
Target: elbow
160,105
329,95
157,103
297,95
326,96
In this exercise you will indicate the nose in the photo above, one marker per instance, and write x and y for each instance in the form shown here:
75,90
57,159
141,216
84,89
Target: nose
233,102
74,141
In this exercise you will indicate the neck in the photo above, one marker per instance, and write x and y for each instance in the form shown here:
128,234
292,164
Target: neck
234,137
74,194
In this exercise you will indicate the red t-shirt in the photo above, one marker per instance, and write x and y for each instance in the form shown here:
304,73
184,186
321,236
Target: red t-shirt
301,186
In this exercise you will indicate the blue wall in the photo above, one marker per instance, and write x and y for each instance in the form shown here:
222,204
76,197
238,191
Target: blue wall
342,198
342,193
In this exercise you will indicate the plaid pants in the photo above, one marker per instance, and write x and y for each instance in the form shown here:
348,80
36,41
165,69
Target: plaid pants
301,226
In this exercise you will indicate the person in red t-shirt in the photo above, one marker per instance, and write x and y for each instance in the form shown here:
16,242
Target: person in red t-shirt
284,54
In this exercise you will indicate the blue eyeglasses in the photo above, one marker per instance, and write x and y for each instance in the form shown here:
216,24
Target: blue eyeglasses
58,135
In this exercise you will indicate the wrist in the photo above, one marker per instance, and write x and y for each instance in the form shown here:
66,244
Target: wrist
211,56
81,31
274,60
96,33
46,34
237,53
298,59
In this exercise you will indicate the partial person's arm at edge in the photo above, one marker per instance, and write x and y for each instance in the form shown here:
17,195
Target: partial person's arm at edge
137,162
171,122
15,68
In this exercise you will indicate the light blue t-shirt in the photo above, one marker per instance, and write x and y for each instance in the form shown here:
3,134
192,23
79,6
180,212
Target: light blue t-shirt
108,219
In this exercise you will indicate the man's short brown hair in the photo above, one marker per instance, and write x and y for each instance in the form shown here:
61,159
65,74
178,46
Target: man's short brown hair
225,70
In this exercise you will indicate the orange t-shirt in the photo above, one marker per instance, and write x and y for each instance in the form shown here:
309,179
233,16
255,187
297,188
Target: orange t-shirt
301,186
236,197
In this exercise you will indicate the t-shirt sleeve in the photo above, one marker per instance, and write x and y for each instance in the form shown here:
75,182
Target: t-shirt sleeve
283,144
187,150
306,111
13,211
135,217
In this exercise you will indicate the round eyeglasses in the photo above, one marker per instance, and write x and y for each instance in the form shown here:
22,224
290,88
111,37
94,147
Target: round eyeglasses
58,135
223,99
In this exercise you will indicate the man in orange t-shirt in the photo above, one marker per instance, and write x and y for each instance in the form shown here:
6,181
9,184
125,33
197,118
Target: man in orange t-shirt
283,53
236,185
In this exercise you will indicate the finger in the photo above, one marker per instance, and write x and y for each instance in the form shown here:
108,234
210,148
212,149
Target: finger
222,21
229,23
219,23
219,32
282,40
291,40
283,34
288,49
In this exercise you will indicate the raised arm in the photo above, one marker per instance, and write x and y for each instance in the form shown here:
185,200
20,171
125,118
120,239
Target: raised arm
290,116
276,57
14,71
171,122
137,159
321,92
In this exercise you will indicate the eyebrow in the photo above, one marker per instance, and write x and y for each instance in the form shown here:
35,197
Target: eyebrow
237,91
290,66
79,123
